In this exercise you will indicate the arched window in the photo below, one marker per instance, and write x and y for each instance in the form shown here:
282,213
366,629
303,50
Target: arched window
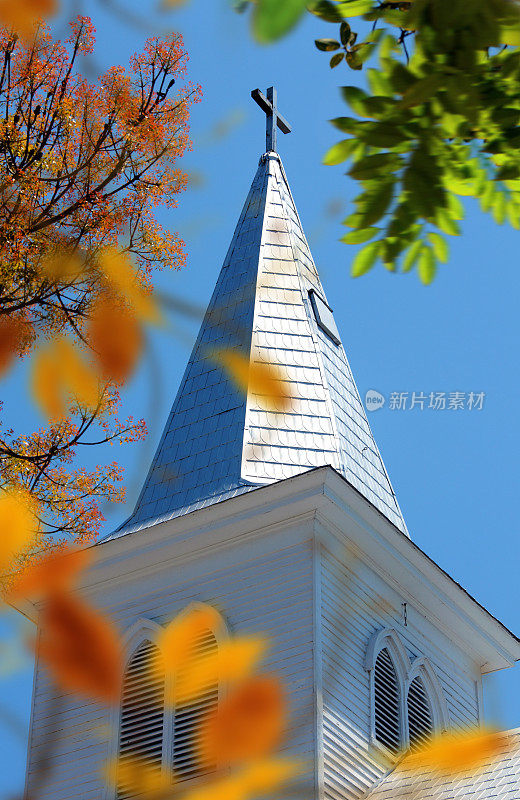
387,702
420,715
188,718
142,710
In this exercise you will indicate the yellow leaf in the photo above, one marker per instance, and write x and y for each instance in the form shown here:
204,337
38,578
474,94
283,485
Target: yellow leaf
59,370
122,276
62,266
256,779
232,661
46,384
179,640
78,376
135,776
458,751
256,377
17,526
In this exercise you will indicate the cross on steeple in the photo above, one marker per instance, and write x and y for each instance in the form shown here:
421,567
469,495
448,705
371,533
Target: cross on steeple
273,118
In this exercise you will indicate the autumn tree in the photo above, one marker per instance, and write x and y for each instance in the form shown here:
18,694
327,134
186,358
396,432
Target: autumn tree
82,168
438,118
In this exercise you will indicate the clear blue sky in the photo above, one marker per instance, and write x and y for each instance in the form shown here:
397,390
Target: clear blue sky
455,472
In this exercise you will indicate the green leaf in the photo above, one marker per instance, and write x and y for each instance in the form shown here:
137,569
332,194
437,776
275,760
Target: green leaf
327,45
440,247
359,237
487,197
375,203
355,8
498,208
322,9
374,165
420,91
336,59
345,32
356,98
346,124
340,152
412,255
513,215
365,259
455,207
353,220
427,266
510,34
446,223
272,19
379,85
382,134
508,172
353,60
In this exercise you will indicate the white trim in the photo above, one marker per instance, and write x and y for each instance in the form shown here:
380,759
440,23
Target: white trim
422,668
319,773
387,638
140,631
406,672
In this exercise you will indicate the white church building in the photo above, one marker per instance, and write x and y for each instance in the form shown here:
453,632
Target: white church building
286,522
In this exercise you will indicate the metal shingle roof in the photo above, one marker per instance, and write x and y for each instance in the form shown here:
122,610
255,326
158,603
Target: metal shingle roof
498,778
217,442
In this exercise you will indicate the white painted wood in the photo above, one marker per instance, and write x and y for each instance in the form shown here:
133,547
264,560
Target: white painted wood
309,563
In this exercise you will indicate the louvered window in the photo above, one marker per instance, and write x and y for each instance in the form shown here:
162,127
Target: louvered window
420,720
386,700
142,711
186,761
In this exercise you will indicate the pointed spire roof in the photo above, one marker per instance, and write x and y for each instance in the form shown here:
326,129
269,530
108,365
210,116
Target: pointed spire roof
269,304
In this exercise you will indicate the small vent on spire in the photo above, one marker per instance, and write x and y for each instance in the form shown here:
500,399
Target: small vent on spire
324,317
420,722
386,695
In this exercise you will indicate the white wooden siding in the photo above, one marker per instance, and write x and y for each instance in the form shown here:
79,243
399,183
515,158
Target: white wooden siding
355,603
267,592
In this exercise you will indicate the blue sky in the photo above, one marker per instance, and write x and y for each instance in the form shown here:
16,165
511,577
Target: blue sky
455,472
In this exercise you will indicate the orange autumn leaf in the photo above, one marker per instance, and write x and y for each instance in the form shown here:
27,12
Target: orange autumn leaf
80,647
62,266
116,338
45,384
61,371
23,15
11,338
135,776
257,377
247,724
232,661
17,526
55,572
121,275
255,779
458,751
178,641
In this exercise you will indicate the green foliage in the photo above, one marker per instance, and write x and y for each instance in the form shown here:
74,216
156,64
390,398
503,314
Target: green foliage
444,125
438,120
272,19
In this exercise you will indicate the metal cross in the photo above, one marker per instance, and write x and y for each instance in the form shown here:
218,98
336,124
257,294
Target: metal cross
273,118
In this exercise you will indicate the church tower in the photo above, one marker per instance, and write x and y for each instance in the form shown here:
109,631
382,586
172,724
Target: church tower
285,520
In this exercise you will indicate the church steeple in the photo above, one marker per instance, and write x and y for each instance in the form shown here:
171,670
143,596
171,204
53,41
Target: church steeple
269,304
